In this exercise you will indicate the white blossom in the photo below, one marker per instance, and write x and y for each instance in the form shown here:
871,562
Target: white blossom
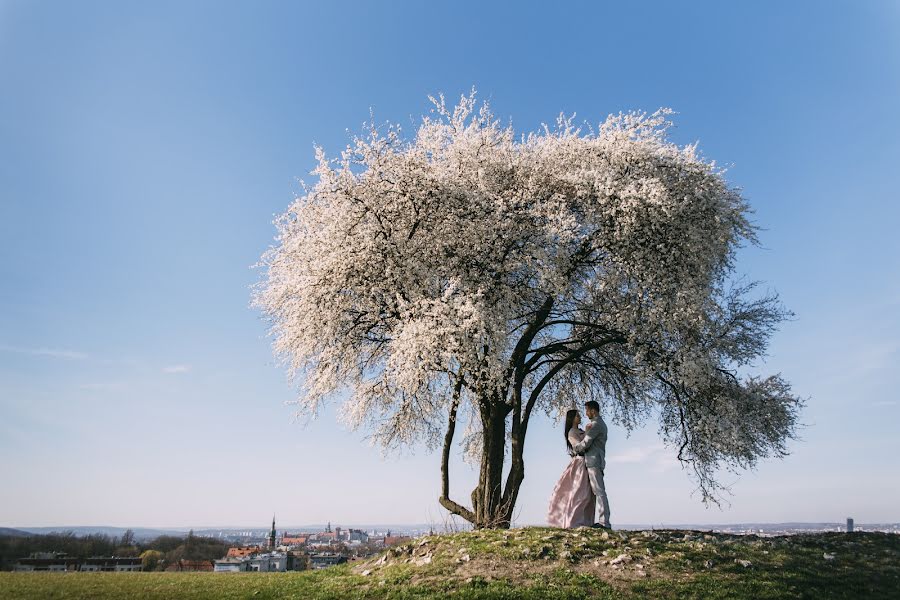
415,267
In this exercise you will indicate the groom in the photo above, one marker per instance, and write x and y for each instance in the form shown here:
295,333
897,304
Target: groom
593,447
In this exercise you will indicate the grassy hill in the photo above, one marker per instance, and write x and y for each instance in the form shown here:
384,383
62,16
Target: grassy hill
539,563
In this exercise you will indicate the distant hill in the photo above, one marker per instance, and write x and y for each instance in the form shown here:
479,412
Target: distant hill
140,533
13,532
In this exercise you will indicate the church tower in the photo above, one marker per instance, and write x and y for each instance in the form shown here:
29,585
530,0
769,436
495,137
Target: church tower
272,534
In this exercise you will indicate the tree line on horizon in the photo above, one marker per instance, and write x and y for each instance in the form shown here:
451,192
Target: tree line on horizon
156,553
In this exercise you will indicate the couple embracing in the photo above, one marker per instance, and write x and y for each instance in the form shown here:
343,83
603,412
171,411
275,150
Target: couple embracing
580,490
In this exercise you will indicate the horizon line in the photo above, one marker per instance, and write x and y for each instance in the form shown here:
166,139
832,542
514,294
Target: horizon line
429,525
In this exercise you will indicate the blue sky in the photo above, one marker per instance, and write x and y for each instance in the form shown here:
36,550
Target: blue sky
146,147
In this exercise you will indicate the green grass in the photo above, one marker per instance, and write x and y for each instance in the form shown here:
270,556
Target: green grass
538,563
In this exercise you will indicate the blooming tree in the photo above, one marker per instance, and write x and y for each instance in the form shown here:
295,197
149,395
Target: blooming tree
471,276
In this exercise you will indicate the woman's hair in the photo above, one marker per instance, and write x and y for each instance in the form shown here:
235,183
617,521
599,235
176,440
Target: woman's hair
570,420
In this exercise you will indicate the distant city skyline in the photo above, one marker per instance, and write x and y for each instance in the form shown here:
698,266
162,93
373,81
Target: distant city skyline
414,529
146,148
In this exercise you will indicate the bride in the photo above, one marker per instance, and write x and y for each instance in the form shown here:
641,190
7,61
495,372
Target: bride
572,503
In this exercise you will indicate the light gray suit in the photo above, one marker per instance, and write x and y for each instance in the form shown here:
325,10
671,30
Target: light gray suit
593,446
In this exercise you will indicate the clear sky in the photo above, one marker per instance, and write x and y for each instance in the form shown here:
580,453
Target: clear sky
146,146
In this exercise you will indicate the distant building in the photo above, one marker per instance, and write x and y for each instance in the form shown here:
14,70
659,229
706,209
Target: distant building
230,565
113,563
849,525
267,562
357,536
330,537
294,540
242,551
191,565
325,538
272,535
60,562
48,561
326,559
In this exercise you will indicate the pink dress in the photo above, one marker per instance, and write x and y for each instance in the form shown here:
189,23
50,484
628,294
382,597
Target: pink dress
572,503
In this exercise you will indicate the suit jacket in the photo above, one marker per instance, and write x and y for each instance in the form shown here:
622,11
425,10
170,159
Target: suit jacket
594,444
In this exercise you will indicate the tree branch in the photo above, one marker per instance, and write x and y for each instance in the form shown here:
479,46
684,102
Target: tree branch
575,355
445,500
685,439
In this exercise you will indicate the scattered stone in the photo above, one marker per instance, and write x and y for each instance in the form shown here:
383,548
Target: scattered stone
744,563
381,560
827,556
604,535
606,553
708,564
423,560
639,566
423,542
465,558
622,558
366,573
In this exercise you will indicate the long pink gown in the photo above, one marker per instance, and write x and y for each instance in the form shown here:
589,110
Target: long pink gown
572,503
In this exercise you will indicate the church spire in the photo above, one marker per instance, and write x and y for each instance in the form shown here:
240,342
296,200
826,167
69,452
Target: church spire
272,533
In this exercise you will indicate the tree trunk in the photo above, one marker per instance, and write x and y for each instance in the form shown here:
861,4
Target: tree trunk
487,498
492,502
516,475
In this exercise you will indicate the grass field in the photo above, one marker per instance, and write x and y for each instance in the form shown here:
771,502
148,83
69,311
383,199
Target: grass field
538,563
